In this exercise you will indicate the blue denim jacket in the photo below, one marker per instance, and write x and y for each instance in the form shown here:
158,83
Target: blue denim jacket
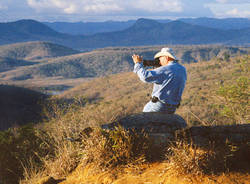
169,81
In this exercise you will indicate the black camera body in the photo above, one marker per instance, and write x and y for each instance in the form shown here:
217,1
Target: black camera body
154,63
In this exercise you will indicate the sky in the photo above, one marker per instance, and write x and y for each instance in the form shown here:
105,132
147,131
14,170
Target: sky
120,10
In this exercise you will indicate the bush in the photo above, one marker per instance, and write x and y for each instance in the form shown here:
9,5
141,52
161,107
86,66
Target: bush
236,100
108,149
18,146
185,158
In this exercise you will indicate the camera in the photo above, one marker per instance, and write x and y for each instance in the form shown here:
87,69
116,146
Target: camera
154,63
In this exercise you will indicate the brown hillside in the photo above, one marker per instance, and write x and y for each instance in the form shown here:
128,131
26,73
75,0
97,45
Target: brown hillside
34,50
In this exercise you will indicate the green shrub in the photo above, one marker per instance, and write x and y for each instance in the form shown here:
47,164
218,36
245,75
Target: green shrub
235,97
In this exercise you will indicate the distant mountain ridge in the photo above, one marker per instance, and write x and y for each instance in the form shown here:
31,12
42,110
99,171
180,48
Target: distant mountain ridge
88,28
150,32
142,32
224,24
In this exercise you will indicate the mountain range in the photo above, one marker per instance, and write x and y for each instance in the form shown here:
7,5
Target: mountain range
142,32
90,28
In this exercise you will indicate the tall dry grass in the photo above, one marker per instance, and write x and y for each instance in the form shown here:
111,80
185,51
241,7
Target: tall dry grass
125,94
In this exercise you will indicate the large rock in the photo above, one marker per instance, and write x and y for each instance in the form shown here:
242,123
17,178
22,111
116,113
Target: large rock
164,128
160,127
151,122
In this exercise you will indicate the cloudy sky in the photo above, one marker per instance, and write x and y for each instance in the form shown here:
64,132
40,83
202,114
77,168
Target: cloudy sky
100,10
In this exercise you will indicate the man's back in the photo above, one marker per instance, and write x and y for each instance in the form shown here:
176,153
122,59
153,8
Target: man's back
170,88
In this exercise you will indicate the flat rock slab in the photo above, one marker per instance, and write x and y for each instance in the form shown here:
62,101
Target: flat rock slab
163,128
150,122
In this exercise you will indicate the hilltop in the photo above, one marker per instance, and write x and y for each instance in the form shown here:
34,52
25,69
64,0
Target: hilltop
35,50
30,53
58,155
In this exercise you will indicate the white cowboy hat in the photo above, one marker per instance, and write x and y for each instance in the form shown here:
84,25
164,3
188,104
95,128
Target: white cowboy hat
166,52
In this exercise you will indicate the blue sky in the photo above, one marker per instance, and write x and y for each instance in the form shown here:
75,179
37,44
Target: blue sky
101,10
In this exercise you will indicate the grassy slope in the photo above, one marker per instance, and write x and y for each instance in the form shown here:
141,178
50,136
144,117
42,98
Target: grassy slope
107,98
110,97
123,94
126,91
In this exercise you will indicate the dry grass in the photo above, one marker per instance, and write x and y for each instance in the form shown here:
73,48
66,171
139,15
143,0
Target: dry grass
118,147
200,104
119,95
184,158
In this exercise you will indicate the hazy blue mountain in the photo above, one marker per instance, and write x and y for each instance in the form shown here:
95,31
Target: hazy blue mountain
31,30
225,24
150,32
25,29
142,32
88,28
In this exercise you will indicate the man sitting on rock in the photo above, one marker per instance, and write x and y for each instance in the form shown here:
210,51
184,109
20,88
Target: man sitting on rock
169,81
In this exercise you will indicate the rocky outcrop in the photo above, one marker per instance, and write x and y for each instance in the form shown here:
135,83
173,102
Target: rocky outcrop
151,122
163,128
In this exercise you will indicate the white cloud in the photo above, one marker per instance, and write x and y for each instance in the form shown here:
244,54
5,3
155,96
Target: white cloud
94,10
237,13
75,6
232,1
230,10
97,7
222,1
158,5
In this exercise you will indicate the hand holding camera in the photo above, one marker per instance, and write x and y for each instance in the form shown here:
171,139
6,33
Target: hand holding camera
146,63
137,58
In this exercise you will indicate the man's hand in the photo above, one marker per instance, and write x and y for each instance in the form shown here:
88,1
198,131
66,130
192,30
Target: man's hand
136,58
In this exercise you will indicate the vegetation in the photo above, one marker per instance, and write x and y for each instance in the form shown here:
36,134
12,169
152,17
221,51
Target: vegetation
63,148
236,95
20,147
